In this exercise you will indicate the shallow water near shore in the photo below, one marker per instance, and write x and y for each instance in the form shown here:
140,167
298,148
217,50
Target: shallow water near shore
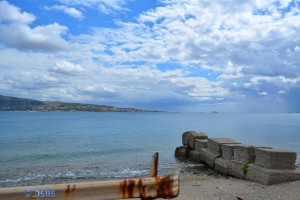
46,148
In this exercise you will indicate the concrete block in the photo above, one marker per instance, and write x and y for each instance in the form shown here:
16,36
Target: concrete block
182,151
209,157
221,165
271,176
241,152
186,137
194,156
200,144
235,169
245,153
229,151
275,158
202,154
214,144
196,135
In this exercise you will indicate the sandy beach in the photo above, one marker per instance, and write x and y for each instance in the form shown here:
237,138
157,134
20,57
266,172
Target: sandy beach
219,187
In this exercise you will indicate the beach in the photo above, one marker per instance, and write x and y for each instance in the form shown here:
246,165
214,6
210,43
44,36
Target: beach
219,187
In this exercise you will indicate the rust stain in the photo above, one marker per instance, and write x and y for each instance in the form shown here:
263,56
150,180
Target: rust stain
70,191
126,188
141,188
122,189
165,188
130,188
67,191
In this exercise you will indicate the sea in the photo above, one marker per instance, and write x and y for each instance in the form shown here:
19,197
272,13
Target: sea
61,147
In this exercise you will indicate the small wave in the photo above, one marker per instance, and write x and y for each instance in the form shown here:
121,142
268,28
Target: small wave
70,174
12,180
64,176
124,173
17,180
67,175
134,172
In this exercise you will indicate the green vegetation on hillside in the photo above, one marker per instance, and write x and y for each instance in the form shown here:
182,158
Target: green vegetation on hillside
21,104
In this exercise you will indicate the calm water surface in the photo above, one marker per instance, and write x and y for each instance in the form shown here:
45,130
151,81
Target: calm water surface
39,148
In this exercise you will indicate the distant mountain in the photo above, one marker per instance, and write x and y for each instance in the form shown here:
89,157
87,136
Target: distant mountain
20,104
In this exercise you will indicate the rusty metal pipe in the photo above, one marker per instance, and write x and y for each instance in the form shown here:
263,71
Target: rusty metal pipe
154,164
145,188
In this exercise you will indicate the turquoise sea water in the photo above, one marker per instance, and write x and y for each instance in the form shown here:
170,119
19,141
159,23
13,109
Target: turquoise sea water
40,148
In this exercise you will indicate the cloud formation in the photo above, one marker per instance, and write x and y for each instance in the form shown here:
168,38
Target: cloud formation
16,32
73,12
105,6
67,68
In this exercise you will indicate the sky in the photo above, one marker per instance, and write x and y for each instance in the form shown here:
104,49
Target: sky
168,55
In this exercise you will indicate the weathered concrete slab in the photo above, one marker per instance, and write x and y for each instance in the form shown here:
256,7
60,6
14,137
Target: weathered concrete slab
229,151
221,165
200,144
214,144
202,154
182,151
241,152
194,156
208,157
186,137
235,169
245,153
275,158
196,135
271,176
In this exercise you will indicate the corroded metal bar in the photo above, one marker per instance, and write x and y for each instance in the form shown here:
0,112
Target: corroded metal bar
154,164
166,187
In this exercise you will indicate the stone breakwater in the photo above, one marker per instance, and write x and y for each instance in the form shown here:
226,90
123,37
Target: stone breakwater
229,157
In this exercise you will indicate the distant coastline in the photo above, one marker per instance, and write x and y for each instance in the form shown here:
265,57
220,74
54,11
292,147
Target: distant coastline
14,104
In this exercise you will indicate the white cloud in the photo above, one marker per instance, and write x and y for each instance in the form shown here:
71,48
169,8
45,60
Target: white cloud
15,31
11,13
200,87
46,37
275,80
73,12
105,6
281,92
263,93
67,68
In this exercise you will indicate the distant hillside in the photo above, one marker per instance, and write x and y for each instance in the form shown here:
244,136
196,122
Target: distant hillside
20,104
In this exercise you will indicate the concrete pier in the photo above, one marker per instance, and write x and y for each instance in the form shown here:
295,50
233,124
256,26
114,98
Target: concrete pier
229,157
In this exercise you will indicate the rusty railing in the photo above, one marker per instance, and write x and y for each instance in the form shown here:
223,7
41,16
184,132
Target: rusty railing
153,187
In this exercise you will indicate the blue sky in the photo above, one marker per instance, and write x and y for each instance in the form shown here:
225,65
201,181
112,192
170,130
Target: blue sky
180,55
